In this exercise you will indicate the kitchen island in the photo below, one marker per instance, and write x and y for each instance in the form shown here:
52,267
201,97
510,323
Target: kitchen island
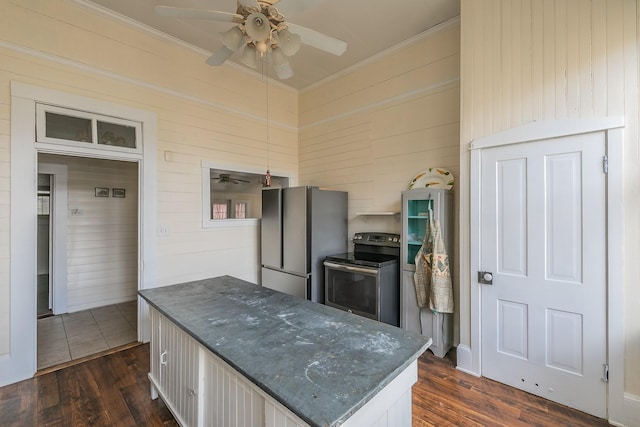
227,352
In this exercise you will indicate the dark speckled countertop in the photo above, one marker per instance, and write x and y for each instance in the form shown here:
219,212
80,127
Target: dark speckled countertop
321,363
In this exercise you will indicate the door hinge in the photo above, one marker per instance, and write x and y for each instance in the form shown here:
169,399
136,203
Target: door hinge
605,164
605,373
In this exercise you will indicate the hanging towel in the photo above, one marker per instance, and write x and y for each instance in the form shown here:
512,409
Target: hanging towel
432,278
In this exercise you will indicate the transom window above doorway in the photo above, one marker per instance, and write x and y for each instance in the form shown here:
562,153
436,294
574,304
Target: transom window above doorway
84,129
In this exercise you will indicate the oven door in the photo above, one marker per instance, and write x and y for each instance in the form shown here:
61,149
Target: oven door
355,289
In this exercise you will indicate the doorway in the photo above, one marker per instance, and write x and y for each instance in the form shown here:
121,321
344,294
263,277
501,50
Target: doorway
599,157
544,245
100,281
20,361
44,292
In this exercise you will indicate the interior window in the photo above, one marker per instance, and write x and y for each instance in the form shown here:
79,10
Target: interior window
68,127
116,134
234,195
63,126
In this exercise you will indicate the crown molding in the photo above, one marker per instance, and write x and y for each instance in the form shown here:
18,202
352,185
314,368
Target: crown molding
140,83
422,91
389,51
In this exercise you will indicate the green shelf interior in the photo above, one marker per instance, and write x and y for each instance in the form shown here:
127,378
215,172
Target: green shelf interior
416,226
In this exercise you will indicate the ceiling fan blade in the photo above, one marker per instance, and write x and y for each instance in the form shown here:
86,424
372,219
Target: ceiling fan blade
213,15
318,40
220,56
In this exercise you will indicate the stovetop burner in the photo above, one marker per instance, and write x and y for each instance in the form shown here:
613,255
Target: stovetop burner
371,250
364,259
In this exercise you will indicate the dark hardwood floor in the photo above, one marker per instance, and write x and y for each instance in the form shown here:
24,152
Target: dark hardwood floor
445,396
113,390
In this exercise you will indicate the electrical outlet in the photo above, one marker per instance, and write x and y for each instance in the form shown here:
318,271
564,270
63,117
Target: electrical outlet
163,230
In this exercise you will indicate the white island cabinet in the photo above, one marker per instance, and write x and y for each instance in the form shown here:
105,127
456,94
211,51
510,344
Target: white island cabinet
228,353
202,390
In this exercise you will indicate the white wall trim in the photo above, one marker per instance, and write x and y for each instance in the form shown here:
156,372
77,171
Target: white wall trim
615,275
58,267
20,363
619,408
143,84
546,129
423,91
470,358
631,410
464,357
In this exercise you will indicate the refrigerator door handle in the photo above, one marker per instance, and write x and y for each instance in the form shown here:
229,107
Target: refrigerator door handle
342,267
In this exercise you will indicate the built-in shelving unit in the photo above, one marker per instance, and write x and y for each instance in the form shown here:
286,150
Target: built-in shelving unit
365,215
416,205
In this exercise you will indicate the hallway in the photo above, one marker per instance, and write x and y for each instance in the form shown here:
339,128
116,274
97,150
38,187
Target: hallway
73,336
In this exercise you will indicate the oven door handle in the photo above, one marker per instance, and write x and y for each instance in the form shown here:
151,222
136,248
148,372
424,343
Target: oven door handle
342,267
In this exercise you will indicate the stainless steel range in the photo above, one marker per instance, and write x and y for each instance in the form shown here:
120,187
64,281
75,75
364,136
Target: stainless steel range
367,280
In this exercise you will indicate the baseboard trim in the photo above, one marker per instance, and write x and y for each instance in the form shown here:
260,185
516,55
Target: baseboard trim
631,410
464,359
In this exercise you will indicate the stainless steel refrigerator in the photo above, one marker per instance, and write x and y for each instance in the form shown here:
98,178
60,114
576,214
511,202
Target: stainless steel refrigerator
300,227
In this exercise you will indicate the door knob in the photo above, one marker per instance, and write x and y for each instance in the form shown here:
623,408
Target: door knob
485,277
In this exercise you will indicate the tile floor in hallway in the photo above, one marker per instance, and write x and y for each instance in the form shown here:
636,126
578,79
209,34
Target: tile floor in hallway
72,336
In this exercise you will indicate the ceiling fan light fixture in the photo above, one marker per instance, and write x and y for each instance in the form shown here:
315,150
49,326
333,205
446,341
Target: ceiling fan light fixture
282,69
258,27
233,38
278,57
248,56
288,42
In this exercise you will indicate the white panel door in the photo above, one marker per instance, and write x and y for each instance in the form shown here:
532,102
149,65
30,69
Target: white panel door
543,238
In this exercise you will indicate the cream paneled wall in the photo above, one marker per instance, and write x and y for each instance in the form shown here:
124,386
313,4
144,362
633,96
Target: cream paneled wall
526,60
373,128
204,114
370,130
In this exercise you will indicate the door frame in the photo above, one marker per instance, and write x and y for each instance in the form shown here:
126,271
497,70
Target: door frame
21,360
469,358
58,233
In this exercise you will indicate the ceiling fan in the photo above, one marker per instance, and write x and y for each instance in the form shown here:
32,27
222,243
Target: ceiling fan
260,30
225,178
